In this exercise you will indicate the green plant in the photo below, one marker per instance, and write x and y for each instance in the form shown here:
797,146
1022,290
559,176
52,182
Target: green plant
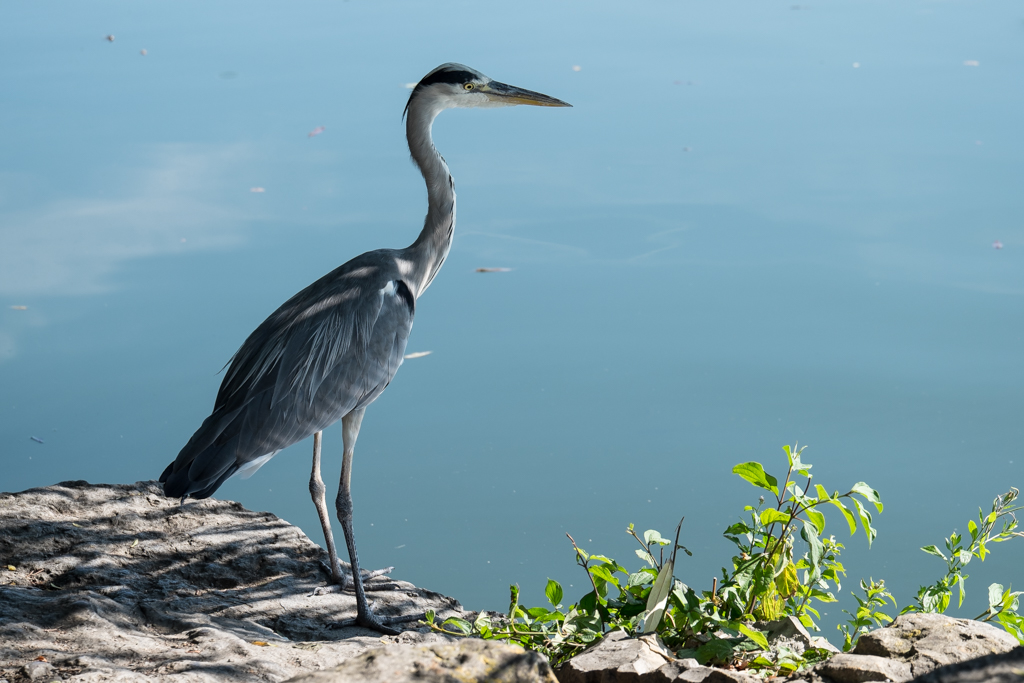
1003,603
766,581
936,597
868,612
784,567
784,563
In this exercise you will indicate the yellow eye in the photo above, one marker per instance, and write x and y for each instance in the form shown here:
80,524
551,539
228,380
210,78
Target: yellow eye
468,86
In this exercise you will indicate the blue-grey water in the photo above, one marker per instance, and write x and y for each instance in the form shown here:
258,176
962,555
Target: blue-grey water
761,222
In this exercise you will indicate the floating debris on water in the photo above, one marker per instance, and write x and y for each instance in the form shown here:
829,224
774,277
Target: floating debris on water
257,189
856,65
36,439
577,67
109,38
19,308
143,52
316,131
493,270
972,62
416,354
997,245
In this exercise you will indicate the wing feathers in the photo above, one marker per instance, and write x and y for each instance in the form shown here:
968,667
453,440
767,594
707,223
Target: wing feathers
318,357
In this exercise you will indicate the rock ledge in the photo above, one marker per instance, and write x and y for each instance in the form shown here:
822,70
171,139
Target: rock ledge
119,583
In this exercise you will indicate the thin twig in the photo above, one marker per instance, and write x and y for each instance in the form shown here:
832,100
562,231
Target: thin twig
579,554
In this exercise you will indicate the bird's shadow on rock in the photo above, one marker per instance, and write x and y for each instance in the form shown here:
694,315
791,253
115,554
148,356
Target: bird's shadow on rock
125,561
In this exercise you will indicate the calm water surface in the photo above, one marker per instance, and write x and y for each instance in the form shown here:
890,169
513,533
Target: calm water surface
761,222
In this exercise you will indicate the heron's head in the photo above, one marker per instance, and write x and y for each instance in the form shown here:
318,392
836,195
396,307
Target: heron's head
455,85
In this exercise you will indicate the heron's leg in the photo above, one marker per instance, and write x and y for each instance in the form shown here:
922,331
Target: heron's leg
318,491
350,432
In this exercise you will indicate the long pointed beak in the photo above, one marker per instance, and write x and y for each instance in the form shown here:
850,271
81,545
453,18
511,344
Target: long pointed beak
510,94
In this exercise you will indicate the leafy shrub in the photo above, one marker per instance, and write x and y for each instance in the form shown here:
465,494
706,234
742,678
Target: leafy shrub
785,567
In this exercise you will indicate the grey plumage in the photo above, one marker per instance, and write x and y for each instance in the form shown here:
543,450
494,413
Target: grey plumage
331,349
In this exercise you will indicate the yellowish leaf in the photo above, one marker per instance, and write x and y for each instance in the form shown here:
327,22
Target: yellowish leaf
787,581
260,643
11,568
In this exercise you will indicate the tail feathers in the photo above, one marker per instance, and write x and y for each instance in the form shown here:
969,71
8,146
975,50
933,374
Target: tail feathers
200,474
209,490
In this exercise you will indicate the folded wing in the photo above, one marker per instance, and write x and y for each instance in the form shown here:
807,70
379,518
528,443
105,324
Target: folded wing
330,349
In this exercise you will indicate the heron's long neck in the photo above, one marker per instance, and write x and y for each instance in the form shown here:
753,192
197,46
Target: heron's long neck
430,249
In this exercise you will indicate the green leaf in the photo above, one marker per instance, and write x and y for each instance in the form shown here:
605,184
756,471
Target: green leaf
602,572
850,519
513,601
460,624
553,591
755,474
868,493
716,649
822,493
737,529
817,549
482,622
652,536
658,598
794,460
817,519
646,557
932,550
865,521
995,596
429,616
787,582
771,516
642,577
754,635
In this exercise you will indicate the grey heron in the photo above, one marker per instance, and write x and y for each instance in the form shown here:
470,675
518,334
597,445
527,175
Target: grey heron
330,350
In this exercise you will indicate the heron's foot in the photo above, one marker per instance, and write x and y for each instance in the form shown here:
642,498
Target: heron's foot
346,571
370,582
385,625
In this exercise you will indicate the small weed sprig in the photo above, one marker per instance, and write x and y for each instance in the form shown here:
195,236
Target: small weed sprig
1002,603
869,612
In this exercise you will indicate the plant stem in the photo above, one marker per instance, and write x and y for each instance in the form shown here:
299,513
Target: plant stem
586,567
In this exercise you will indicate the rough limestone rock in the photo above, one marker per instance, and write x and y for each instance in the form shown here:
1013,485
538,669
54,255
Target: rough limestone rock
467,660
928,641
686,669
698,674
789,632
853,668
1005,668
616,658
119,583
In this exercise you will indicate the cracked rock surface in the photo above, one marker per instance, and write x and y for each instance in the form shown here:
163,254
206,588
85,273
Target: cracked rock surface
119,583
928,641
467,660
